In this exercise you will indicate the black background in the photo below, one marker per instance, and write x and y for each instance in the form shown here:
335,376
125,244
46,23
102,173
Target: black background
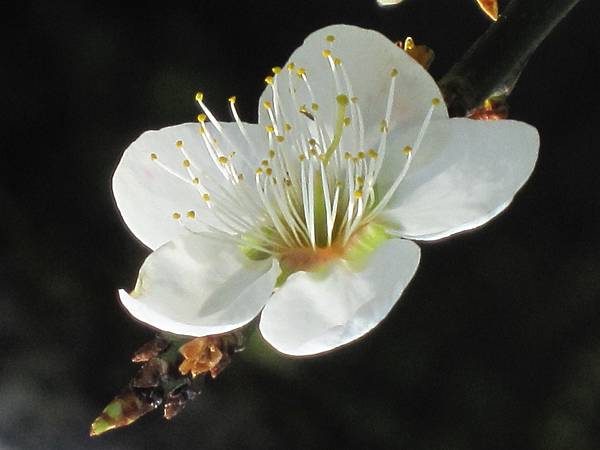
495,345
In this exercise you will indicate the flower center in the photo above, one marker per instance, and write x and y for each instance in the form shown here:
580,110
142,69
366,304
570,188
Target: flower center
360,245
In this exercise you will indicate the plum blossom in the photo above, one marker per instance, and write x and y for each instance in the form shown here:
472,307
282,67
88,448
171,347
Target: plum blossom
307,219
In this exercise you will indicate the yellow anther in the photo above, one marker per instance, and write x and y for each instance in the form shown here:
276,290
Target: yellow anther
199,96
330,38
291,66
196,180
312,142
360,155
269,79
223,159
393,73
337,61
259,171
301,72
347,121
358,194
269,171
206,197
153,156
313,151
279,139
191,214
176,216
315,106
373,153
342,100
409,43
436,101
287,127
269,128
265,162
347,155
302,157
326,53
271,153
360,181
383,126
179,144
186,163
287,182
231,99
276,69
241,176
201,117
407,150
267,104
354,99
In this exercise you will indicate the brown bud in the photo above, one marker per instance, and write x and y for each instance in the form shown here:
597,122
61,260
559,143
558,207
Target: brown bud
420,53
123,410
150,374
494,108
150,350
200,355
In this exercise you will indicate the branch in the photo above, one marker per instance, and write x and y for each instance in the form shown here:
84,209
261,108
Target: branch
494,62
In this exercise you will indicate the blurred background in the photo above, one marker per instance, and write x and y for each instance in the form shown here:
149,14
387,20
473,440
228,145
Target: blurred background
495,345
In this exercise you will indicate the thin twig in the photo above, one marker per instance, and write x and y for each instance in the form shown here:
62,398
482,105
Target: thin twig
495,61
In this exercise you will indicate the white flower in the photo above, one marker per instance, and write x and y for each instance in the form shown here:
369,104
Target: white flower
306,216
388,2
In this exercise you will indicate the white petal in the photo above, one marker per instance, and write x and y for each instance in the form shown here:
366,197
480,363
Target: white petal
368,57
316,312
147,195
197,285
468,172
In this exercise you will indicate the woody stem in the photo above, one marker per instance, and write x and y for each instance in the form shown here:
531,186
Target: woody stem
504,48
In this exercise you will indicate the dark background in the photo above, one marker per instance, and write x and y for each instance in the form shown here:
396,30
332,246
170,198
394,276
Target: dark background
496,343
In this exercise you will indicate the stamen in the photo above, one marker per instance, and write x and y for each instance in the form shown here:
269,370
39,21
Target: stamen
241,126
214,121
435,102
305,205
409,152
154,158
385,124
263,192
311,205
326,193
267,105
354,109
